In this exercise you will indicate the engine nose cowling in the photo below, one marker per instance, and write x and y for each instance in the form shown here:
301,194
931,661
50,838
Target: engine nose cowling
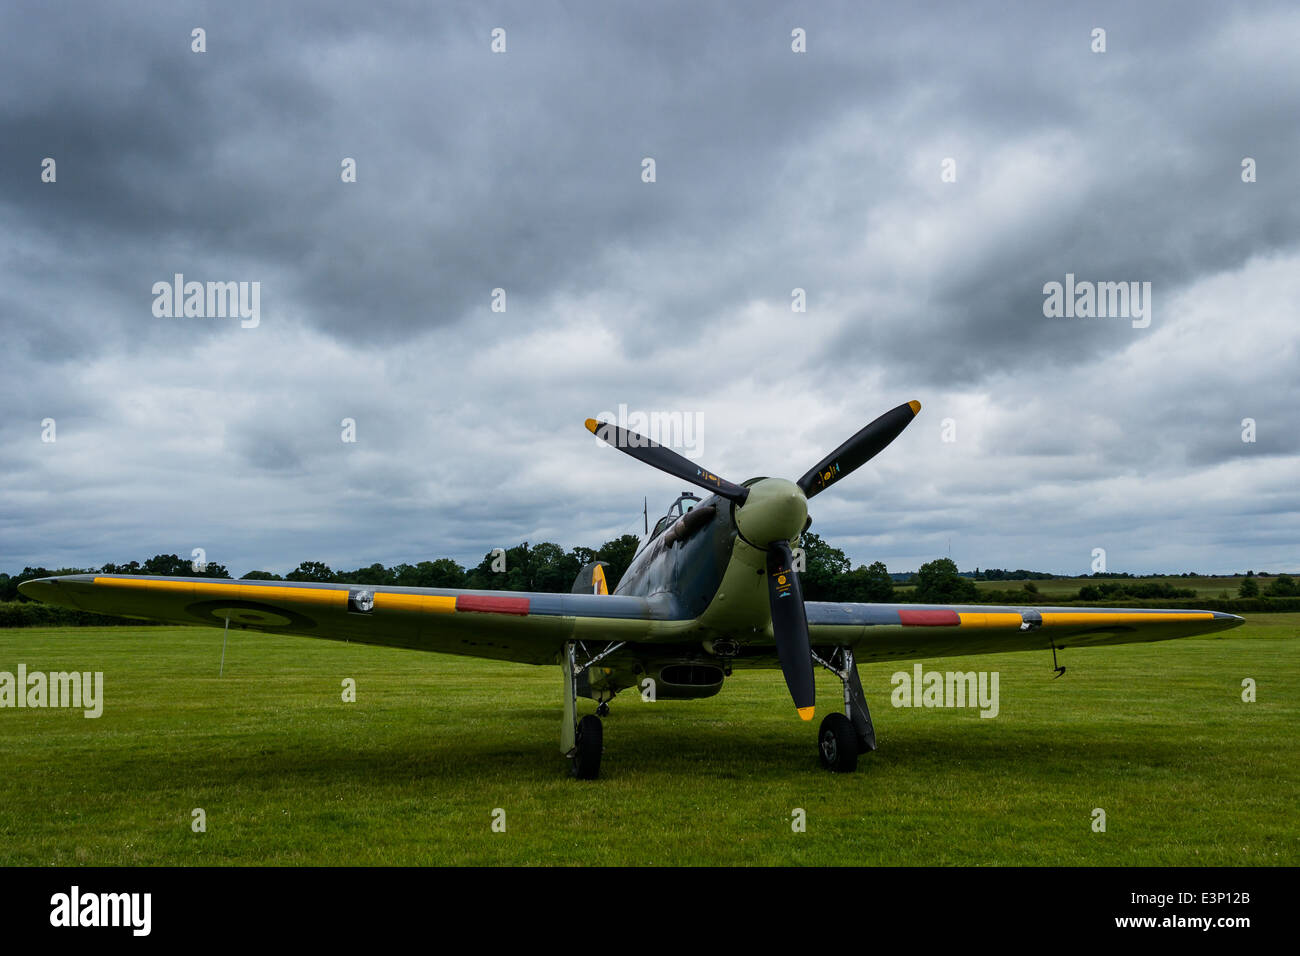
775,510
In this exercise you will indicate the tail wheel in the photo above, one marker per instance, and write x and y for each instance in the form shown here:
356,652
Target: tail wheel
588,748
837,744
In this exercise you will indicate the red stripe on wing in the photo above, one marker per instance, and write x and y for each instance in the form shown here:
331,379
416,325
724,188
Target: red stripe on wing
929,618
492,605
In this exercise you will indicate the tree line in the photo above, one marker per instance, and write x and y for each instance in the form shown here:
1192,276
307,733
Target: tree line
542,567
827,575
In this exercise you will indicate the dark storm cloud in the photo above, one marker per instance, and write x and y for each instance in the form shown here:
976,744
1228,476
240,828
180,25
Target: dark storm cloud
522,171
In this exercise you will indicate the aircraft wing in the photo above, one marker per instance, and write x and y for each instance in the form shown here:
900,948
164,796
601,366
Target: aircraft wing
529,627
888,632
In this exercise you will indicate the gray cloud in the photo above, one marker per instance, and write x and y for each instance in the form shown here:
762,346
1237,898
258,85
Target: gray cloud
522,171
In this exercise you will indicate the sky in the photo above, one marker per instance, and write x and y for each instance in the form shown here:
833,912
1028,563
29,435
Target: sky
922,172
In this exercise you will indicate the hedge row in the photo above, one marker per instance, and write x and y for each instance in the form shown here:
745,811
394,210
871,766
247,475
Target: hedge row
1259,605
31,614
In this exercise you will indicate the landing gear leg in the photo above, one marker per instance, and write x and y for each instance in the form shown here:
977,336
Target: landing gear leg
569,724
855,703
842,737
582,741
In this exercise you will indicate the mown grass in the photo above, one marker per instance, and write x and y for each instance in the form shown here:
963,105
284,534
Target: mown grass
1157,735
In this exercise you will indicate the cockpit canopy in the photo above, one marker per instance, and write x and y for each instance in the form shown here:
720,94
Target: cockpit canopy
684,503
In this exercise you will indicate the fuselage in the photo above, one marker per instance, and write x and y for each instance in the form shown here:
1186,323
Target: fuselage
714,565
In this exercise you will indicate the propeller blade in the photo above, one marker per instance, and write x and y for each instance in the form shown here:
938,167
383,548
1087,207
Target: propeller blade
858,450
666,460
790,625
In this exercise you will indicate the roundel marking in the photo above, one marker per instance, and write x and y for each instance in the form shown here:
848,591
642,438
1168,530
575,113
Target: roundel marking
248,613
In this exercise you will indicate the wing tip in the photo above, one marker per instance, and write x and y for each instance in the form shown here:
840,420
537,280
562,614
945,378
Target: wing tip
31,588
915,406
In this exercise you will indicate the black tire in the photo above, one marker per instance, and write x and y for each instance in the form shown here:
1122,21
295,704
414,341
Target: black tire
588,748
837,744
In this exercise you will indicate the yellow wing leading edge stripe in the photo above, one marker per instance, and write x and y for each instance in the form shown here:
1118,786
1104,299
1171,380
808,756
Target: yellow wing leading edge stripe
435,603
247,592
990,620
1076,618
1072,618
337,597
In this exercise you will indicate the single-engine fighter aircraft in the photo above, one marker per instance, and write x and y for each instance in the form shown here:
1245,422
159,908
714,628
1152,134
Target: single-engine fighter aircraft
712,588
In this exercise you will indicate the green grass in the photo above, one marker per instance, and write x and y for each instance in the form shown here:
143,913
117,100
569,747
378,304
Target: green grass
1155,734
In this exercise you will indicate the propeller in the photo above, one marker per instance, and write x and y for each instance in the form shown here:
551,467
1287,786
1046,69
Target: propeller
790,626
769,514
858,450
665,459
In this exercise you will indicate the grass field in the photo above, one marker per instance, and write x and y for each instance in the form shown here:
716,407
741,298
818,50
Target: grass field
1155,734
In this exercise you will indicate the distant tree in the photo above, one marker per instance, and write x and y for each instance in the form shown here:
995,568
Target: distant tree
1031,587
824,567
551,568
442,573
1154,589
516,576
168,565
1249,588
311,571
483,577
619,553
1283,586
373,576
937,582
261,576
172,565
1019,574
871,584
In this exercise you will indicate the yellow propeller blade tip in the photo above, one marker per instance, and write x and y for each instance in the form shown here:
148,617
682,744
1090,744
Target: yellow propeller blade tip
592,425
806,713
915,406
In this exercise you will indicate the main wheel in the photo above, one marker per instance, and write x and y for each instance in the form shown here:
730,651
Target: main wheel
837,744
588,748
